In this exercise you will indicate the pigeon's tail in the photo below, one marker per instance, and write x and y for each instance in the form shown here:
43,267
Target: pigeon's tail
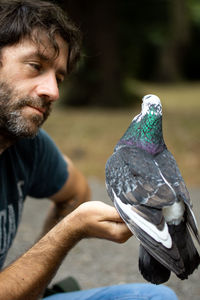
183,240
154,272
151,269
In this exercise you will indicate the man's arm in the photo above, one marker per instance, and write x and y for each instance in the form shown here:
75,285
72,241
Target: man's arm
27,277
74,192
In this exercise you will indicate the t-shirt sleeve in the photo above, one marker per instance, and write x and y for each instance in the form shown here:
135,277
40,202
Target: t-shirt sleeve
49,170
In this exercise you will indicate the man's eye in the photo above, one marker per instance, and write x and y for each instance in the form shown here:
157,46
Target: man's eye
35,66
59,80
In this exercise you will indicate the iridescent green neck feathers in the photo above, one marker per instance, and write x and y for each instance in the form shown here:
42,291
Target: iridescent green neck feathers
145,131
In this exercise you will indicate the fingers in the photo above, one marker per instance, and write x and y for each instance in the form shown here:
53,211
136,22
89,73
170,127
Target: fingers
111,214
118,232
105,211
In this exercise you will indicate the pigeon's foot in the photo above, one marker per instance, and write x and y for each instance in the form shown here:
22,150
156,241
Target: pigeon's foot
151,269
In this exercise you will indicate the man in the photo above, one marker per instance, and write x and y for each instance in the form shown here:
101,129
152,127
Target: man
38,46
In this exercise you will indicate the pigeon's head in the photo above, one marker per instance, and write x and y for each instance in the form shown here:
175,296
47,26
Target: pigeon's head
145,130
151,105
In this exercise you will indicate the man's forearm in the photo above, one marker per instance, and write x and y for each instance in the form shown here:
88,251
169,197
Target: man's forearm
56,213
27,277
75,192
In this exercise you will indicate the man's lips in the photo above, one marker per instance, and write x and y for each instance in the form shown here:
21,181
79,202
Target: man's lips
40,109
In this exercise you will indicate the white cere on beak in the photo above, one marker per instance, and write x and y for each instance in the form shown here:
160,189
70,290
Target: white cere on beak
149,100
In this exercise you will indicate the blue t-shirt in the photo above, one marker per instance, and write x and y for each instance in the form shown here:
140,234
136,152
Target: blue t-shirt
33,167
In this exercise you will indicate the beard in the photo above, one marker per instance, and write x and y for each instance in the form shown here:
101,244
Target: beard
12,120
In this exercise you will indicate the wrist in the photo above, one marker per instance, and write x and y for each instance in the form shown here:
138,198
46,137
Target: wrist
72,227
79,222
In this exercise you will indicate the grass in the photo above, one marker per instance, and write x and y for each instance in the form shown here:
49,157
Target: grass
88,136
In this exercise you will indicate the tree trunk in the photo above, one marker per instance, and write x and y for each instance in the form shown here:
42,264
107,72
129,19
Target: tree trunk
98,82
174,50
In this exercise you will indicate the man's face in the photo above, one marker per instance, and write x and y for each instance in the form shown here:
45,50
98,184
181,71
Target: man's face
29,79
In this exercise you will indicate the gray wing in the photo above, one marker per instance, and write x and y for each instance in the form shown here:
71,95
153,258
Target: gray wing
134,176
171,172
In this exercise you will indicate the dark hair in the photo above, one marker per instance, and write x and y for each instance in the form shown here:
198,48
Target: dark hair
19,18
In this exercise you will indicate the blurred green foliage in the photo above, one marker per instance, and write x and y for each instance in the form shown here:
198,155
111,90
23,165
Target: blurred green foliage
154,40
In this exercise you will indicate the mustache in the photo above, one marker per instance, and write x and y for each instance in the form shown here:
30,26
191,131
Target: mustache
37,102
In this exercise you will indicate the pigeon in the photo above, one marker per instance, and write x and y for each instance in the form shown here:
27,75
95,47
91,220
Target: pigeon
147,189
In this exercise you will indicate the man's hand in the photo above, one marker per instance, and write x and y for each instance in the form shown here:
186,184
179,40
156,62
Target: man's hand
97,219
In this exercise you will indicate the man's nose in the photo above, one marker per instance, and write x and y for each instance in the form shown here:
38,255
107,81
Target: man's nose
47,87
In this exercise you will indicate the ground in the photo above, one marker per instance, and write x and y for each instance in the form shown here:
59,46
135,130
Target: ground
96,262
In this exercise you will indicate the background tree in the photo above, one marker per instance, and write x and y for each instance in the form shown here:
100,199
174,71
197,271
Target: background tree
99,79
142,39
